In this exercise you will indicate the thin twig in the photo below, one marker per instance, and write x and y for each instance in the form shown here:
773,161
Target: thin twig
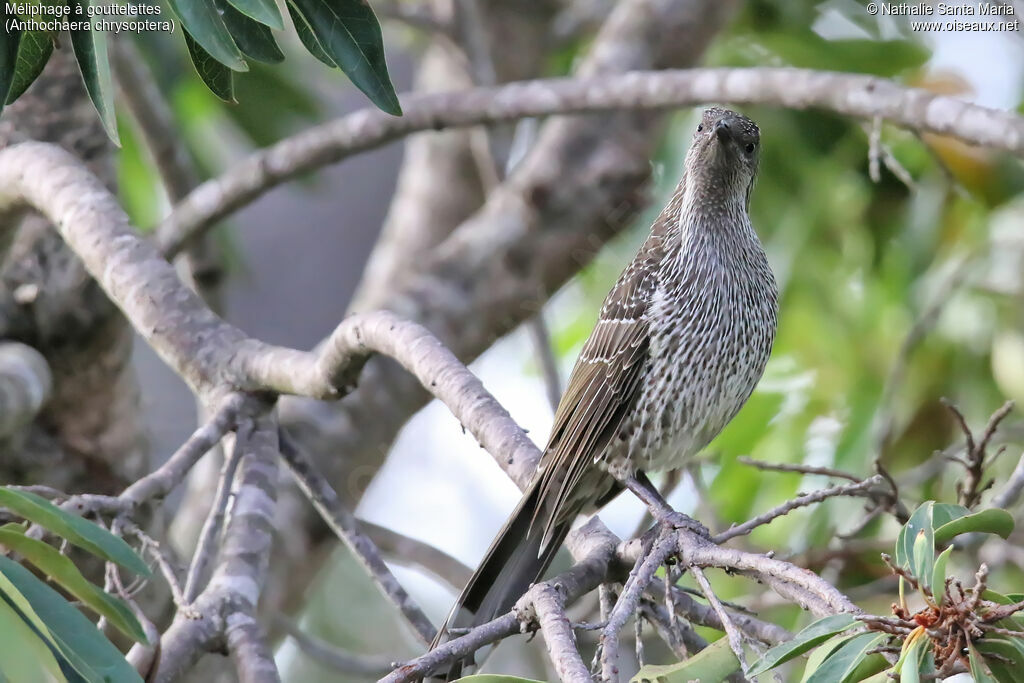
858,489
795,467
733,633
333,657
639,578
206,547
344,525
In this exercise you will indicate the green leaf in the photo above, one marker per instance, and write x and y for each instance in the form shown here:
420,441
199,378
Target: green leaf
74,529
348,31
253,39
204,23
8,58
980,670
90,46
34,50
839,667
1009,648
990,521
86,649
20,603
909,666
808,49
306,37
921,519
24,656
938,585
823,652
62,570
263,11
217,77
943,513
924,554
815,634
713,663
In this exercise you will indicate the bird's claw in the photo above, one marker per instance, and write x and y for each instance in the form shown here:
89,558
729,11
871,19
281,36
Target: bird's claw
677,520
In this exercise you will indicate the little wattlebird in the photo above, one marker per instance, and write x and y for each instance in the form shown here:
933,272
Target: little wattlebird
681,341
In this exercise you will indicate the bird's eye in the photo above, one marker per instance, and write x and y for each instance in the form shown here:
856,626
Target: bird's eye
700,127
750,148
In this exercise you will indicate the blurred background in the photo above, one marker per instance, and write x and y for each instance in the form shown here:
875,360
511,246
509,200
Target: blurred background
902,280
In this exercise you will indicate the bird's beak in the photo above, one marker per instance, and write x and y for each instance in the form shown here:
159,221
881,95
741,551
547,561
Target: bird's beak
723,129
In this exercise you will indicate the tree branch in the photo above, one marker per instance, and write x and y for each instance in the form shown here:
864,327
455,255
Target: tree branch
866,97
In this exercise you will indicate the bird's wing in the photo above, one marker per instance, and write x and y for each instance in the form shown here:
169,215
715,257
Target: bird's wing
603,387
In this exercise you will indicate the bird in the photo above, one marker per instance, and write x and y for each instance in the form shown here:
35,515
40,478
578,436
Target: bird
681,341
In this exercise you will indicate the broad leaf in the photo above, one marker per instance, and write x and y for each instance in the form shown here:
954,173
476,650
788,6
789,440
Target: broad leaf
348,31
24,656
305,33
990,521
840,667
713,663
253,38
74,529
204,23
82,644
217,77
263,11
813,635
62,570
921,519
90,46
943,513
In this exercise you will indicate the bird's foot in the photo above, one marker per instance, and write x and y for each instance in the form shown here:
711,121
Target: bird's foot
677,520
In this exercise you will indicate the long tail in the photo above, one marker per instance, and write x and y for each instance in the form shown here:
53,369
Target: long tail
516,559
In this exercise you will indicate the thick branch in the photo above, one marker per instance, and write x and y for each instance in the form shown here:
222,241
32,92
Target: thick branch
855,95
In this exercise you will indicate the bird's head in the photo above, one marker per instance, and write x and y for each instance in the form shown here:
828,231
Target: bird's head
723,158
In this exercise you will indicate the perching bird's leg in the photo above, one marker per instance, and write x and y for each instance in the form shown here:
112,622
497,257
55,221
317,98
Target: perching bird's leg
642,488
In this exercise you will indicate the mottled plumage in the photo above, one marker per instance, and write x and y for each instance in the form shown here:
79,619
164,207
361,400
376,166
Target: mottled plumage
680,343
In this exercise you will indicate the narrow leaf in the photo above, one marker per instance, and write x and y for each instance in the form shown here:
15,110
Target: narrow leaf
348,31
74,529
253,39
204,23
713,663
815,634
24,657
62,570
263,11
8,58
839,668
20,603
924,555
980,670
823,652
86,649
990,521
34,50
305,34
217,77
939,576
90,46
